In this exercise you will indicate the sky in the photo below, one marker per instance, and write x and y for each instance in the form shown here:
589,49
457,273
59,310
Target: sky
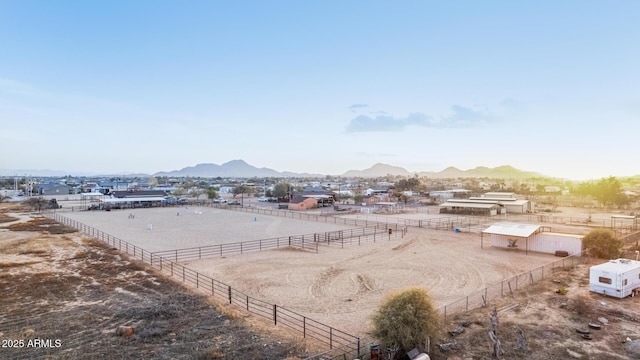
324,87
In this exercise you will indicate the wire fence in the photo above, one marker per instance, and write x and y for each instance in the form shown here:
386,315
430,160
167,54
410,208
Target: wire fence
507,287
308,328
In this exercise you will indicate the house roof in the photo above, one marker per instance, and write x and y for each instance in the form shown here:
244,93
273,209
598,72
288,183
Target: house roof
298,199
512,229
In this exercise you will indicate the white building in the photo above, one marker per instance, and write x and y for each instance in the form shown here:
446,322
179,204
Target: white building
530,237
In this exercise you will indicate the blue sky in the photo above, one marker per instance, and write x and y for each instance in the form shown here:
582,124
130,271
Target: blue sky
321,87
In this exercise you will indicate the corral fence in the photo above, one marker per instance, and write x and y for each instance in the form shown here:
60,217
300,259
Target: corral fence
631,238
308,328
307,242
367,223
498,290
355,350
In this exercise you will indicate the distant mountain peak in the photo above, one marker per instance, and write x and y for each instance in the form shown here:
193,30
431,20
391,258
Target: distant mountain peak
378,170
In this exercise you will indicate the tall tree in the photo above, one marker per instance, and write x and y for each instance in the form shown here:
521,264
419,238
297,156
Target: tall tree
608,190
241,190
212,193
281,189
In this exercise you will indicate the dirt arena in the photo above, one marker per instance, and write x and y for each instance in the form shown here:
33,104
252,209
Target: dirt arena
338,287
159,229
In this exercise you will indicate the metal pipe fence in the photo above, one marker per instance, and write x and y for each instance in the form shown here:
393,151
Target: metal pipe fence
308,242
308,328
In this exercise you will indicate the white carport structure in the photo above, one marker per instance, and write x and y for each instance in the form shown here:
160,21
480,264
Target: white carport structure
132,200
536,238
507,235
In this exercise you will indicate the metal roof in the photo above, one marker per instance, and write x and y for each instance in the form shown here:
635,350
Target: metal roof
474,205
478,201
512,229
132,199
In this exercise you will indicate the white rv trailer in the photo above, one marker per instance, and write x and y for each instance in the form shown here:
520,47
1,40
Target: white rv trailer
618,278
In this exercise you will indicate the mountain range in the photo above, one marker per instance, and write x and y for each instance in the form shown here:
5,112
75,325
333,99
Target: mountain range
239,168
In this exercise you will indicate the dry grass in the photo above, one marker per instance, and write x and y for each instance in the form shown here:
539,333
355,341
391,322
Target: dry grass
42,224
4,218
81,291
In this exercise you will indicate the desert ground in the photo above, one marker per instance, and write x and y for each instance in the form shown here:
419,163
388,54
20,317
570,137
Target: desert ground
338,287
64,296
80,295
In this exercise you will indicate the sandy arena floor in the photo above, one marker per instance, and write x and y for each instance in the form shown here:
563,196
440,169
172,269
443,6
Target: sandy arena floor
186,227
338,287
343,287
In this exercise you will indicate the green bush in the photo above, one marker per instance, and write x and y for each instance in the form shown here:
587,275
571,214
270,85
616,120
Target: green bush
406,319
603,243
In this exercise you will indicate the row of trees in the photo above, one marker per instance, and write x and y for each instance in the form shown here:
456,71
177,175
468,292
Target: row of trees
606,191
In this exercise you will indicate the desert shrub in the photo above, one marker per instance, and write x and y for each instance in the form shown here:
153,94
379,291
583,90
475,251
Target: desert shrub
580,304
406,319
562,290
603,243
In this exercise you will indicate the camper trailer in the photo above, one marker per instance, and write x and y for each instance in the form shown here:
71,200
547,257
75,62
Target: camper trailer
618,278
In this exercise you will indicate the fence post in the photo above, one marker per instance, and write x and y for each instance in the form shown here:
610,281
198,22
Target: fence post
176,255
247,302
275,312
330,338
183,274
172,269
230,301
197,279
212,293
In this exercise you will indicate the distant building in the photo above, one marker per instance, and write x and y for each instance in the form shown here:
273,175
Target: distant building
53,189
